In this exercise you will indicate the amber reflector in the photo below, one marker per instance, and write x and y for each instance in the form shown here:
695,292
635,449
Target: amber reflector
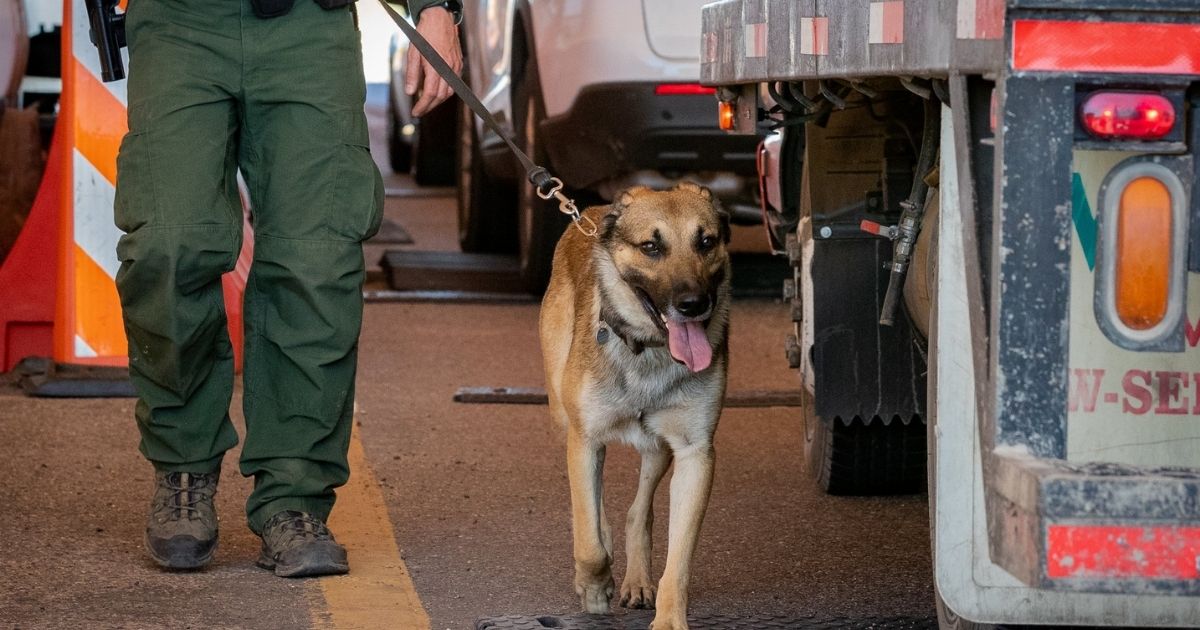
1143,265
725,115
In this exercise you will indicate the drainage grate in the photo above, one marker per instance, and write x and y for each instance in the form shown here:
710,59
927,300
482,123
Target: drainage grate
641,621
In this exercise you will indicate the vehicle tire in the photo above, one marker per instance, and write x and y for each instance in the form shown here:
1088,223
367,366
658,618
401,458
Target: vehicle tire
433,146
399,149
862,458
486,207
539,223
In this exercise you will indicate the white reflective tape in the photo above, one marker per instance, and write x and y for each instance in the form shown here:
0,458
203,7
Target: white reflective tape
814,36
95,231
887,22
87,54
756,39
710,47
82,349
966,19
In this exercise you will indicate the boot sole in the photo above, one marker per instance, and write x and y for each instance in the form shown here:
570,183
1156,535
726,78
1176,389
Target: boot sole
178,563
321,562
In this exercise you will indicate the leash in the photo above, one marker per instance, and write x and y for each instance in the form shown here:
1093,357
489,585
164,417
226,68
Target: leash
544,184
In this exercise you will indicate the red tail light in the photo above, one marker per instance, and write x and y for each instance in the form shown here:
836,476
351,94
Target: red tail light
1128,115
683,89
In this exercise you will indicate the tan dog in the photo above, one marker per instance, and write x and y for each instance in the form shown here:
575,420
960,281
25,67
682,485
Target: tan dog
633,330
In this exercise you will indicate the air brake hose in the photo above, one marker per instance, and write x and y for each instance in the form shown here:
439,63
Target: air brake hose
914,212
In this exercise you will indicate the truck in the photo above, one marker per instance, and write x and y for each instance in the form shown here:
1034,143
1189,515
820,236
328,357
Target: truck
988,208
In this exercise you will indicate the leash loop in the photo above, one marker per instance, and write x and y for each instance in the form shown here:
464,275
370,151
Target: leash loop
567,206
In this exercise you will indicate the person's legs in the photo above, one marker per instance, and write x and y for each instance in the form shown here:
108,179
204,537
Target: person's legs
177,203
316,195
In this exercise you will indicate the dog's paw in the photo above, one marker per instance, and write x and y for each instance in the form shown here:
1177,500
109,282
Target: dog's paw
670,623
594,597
639,595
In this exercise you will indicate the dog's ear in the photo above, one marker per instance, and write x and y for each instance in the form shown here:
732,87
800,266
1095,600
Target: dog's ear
625,198
723,217
693,187
608,223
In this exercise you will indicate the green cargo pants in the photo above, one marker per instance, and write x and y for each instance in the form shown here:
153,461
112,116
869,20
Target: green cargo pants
214,89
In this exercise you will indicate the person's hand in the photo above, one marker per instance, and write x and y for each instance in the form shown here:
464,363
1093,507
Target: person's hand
437,25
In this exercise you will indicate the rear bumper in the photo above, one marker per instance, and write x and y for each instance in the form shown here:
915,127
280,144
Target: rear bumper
617,128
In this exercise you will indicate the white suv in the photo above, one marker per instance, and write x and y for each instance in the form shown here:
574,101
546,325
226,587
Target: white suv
601,92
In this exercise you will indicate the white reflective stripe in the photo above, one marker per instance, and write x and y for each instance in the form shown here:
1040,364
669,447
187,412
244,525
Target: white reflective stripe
875,28
87,54
756,39
966,20
82,349
814,36
95,231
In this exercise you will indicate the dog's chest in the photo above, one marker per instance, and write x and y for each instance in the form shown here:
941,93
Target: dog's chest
641,382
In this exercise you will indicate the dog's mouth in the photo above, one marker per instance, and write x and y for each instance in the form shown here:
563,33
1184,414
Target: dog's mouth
687,338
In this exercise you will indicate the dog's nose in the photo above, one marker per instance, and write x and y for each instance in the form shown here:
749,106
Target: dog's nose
692,305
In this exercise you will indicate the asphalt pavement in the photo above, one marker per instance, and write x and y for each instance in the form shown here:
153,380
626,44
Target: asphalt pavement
471,514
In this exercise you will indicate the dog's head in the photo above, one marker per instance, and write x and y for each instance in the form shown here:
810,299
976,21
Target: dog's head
669,256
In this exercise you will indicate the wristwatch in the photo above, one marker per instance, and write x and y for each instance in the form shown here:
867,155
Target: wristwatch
455,7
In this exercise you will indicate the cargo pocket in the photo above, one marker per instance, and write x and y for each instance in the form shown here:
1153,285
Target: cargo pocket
136,202
359,190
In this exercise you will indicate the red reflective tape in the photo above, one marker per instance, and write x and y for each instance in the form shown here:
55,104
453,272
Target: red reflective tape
1102,551
1135,48
886,23
756,40
989,19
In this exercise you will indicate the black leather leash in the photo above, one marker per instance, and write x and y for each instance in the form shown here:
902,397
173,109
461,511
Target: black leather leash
545,185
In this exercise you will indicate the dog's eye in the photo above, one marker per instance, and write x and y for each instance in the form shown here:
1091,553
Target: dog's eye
651,249
707,243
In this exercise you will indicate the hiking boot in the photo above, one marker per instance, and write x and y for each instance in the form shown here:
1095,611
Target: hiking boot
181,532
298,544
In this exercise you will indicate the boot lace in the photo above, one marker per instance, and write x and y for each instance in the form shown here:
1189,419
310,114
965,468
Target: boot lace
299,525
188,490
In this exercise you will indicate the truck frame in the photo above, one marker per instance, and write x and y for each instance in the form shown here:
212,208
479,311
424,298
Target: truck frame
1061,422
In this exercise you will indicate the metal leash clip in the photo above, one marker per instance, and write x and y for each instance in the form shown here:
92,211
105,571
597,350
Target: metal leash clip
567,206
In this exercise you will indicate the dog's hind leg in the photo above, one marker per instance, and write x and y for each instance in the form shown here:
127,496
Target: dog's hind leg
638,587
593,541
690,487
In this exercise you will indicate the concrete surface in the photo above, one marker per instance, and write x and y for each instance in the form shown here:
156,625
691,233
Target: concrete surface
476,494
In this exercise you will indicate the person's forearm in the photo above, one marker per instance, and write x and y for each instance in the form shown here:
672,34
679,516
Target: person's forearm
415,7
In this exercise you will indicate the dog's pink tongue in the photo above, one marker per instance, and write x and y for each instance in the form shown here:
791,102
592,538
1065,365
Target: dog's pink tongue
689,344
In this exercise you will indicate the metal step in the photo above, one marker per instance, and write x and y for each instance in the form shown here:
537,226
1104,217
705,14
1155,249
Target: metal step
641,621
754,275
408,270
537,396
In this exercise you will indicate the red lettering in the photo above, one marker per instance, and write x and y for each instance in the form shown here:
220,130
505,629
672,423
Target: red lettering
1140,393
1170,389
1193,332
1196,388
1080,393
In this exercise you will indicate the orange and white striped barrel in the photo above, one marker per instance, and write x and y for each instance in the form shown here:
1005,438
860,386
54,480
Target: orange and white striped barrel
88,325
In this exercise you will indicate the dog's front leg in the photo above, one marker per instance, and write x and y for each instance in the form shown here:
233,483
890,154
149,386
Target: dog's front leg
690,487
638,587
593,556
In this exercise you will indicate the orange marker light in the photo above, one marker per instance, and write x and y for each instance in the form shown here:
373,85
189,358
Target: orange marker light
726,115
1143,253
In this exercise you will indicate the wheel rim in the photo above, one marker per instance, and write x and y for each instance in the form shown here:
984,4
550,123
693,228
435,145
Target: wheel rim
528,198
466,162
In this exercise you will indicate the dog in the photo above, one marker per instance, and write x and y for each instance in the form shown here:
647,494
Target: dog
634,329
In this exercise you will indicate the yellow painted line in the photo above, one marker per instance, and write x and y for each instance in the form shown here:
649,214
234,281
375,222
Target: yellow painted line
378,592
